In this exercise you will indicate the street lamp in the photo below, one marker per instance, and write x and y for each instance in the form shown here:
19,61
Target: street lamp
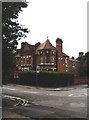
37,71
16,76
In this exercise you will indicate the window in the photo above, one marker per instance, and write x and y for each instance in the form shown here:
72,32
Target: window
66,65
47,58
28,61
47,51
41,52
60,58
53,52
65,60
66,70
22,61
53,59
18,61
41,60
73,65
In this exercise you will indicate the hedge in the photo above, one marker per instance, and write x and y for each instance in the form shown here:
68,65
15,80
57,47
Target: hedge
45,79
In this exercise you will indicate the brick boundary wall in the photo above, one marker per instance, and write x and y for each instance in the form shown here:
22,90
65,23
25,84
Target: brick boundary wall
81,80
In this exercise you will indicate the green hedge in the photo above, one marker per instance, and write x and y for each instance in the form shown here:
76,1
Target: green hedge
45,79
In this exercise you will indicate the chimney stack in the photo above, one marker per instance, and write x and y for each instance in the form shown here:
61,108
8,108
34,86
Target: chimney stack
81,54
59,45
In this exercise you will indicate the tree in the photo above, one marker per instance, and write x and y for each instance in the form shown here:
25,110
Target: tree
84,64
87,63
12,32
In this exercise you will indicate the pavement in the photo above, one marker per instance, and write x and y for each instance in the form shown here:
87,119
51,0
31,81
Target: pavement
66,88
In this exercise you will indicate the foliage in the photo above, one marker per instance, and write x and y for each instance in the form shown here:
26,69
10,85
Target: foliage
45,79
12,31
84,64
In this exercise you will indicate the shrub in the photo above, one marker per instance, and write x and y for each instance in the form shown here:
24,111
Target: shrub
46,79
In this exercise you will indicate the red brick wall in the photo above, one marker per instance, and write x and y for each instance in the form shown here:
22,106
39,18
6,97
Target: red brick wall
81,80
60,66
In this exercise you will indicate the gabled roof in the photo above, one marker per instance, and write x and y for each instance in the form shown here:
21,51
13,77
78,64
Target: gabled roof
46,45
25,48
17,55
29,46
73,60
65,55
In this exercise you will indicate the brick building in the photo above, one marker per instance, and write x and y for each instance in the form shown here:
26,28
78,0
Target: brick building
25,57
46,56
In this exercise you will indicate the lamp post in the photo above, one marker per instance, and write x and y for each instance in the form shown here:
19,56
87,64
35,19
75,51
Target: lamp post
16,77
37,71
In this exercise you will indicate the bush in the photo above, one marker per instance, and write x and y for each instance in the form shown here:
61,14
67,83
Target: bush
48,79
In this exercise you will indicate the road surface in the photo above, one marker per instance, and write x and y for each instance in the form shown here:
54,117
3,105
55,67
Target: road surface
31,102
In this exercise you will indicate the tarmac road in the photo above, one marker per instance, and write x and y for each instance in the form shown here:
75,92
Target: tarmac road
32,102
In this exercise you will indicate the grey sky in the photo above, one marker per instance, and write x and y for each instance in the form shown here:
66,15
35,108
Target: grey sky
66,19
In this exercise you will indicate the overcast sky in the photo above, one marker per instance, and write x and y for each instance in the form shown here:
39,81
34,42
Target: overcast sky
66,19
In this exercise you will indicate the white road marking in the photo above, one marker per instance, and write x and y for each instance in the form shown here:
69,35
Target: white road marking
85,94
8,88
11,97
31,92
55,94
70,95
21,101
78,95
49,94
76,105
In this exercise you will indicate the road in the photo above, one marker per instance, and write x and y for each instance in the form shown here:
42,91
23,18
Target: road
31,102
